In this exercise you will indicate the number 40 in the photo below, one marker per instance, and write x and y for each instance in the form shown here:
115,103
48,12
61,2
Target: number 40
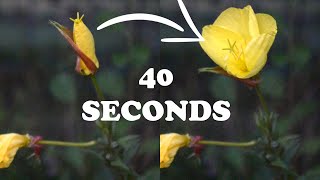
164,78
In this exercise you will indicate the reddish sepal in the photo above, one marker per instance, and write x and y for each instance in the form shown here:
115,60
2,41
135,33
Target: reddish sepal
197,148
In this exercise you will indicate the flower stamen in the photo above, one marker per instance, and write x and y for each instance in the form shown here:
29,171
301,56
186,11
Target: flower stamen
234,50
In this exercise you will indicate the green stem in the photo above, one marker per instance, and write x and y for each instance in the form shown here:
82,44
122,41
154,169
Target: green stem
105,128
69,144
232,144
261,98
97,88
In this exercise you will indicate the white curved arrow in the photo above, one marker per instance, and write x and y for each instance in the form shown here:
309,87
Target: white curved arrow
140,17
159,19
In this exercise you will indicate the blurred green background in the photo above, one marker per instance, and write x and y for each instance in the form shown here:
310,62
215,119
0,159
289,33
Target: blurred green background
42,95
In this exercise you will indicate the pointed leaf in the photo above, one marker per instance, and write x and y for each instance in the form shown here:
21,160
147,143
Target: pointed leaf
291,144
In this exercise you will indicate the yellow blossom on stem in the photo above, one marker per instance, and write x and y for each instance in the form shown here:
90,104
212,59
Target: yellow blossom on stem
169,146
82,42
239,41
83,37
9,145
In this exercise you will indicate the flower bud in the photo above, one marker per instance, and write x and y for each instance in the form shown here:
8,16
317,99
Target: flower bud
83,38
9,145
169,146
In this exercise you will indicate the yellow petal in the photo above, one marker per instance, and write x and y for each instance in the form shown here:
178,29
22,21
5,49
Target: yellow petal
217,40
242,21
84,61
9,145
169,145
236,68
83,38
267,24
252,22
256,53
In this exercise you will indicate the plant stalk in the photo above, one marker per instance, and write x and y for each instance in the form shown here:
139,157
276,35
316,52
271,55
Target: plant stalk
262,100
106,129
68,144
230,144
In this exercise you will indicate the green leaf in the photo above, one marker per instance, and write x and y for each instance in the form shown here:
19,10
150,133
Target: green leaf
291,146
216,70
280,164
284,167
63,87
117,163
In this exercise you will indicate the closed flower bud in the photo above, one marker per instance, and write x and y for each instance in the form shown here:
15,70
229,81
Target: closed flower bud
82,42
239,41
169,146
9,145
83,38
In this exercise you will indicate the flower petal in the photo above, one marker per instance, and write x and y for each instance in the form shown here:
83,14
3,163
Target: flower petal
242,21
256,53
9,145
267,24
169,145
252,22
83,38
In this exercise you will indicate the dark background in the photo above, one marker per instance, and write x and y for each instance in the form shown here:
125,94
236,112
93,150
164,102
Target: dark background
42,95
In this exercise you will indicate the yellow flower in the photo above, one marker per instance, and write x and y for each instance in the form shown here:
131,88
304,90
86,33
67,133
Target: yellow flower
83,38
82,42
9,145
169,145
239,41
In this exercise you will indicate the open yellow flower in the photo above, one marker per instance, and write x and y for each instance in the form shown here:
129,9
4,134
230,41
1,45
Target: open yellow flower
9,145
82,42
239,41
169,145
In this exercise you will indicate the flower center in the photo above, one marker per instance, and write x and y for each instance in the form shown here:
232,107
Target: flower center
236,52
237,55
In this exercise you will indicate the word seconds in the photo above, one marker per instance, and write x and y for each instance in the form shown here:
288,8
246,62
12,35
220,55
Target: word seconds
199,110
154,110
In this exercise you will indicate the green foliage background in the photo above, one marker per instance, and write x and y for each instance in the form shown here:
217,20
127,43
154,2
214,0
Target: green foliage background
41,94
